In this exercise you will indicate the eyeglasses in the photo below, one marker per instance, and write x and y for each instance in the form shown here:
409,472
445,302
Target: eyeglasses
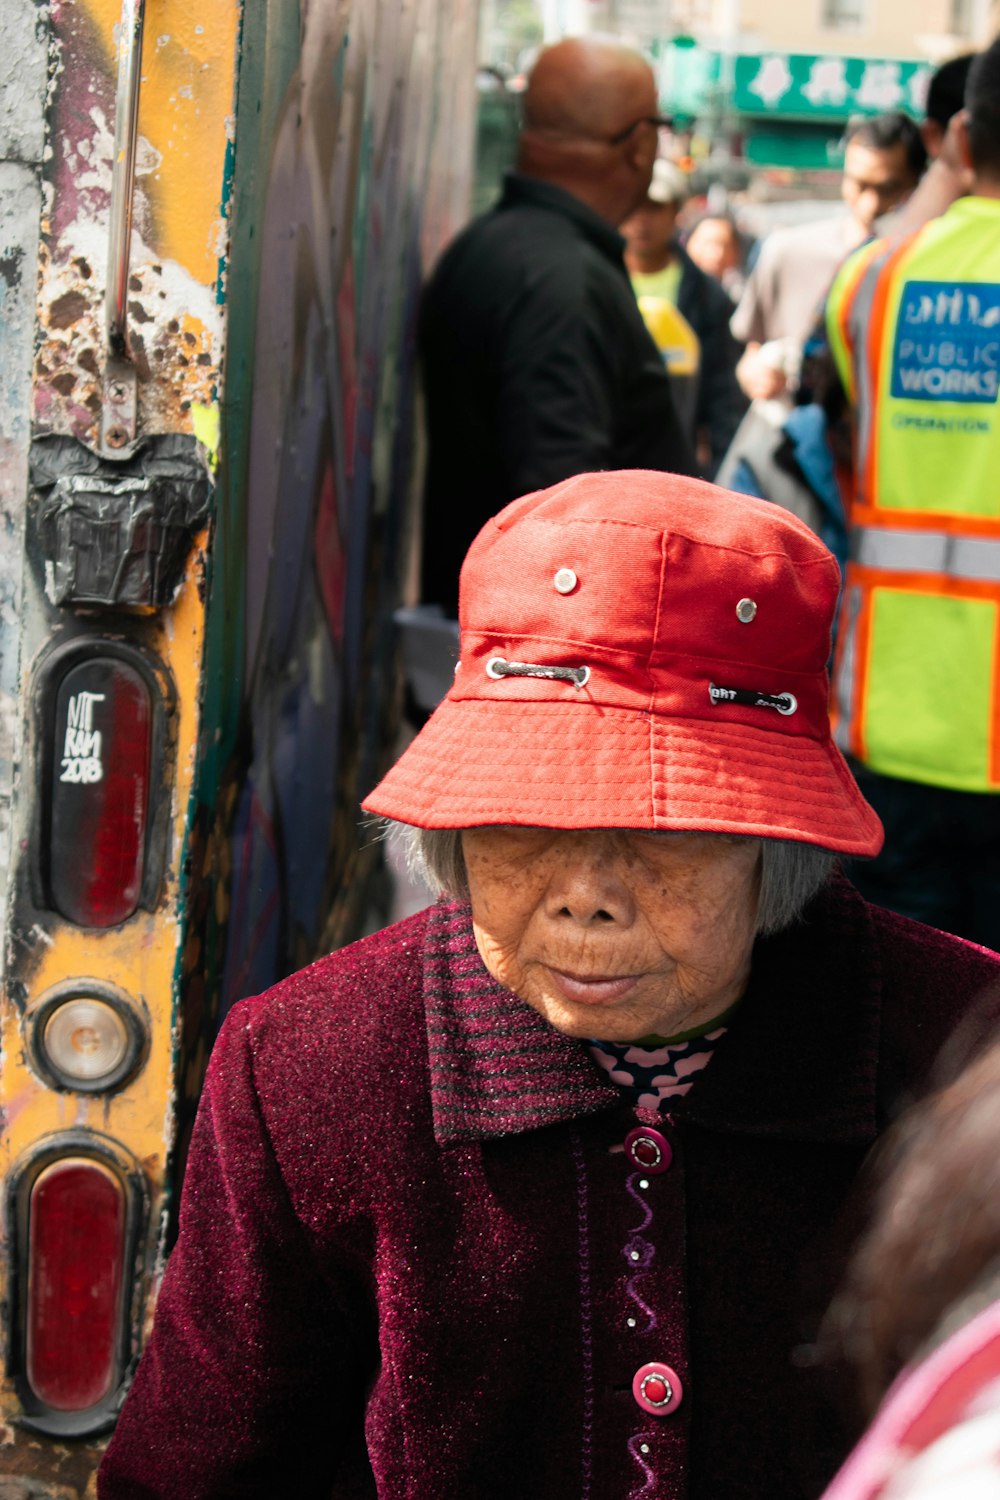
660,121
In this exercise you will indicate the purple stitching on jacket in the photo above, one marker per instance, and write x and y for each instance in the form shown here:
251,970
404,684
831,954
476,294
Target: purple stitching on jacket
586,1320
637,1251
633,1448
643,1203
637,1246
643,1248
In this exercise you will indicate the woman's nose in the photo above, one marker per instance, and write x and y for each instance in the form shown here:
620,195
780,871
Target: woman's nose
590,885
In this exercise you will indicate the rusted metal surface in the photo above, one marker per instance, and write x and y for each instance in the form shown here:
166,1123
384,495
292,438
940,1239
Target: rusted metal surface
22,143
179,219
20,207
37,1469
175,297
346,170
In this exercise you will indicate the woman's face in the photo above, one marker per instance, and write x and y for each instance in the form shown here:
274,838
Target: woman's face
614,933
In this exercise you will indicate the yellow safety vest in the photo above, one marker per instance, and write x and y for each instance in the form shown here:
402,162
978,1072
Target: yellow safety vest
915,330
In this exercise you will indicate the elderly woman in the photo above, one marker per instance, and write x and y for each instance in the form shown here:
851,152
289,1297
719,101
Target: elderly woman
533,1196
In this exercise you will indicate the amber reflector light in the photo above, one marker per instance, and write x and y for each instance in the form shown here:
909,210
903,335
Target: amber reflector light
100,792
76,1247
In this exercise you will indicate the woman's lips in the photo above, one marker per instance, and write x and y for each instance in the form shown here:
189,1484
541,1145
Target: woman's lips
593,991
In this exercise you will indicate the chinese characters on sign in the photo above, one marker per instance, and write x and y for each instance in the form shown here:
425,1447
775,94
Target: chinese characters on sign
809,86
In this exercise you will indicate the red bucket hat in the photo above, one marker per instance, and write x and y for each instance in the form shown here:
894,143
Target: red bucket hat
639,650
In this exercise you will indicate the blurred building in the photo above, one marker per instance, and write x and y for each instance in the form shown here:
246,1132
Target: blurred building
929,29
760,85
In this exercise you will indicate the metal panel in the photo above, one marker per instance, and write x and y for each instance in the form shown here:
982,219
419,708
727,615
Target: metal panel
341,165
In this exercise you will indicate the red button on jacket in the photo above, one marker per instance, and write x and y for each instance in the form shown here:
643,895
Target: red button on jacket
657,1388
649,1150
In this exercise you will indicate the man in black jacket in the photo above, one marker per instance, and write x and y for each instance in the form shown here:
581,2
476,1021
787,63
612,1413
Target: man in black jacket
537,364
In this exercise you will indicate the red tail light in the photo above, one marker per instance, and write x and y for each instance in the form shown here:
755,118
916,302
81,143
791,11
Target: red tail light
100,792
75,1274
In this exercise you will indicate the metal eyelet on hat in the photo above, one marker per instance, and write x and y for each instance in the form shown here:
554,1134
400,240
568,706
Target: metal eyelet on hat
746,611
785,703
565,581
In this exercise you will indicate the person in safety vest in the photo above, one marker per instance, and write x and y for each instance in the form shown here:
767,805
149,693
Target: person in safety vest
915,330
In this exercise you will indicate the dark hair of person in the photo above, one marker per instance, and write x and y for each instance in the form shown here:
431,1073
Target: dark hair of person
946,90
982,100
930,1259
721,216
883,132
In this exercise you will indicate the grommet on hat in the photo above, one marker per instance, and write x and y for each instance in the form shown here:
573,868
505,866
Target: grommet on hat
641,700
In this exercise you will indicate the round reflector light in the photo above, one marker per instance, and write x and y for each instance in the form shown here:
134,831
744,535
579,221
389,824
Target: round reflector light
86,1035
85,1040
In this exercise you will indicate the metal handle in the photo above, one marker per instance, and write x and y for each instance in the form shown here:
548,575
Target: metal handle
123,174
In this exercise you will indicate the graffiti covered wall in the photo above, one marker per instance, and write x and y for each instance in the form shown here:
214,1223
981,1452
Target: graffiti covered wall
367,174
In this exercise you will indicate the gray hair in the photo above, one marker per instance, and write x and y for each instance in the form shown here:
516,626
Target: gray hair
791,874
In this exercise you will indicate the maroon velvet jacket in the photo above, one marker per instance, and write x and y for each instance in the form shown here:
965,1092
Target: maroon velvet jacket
414,1261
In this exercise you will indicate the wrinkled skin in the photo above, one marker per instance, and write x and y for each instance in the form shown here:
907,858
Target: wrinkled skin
615,934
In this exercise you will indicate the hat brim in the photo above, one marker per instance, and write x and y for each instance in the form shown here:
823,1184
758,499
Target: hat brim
540,764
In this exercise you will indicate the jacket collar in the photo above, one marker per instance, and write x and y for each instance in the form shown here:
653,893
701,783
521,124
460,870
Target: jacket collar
798,1060
519,190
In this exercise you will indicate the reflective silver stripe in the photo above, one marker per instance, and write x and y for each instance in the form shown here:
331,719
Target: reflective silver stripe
901,551
844,682
864,386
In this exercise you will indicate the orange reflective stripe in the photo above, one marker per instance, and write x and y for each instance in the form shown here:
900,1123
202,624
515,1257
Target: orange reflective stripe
857,267
862,652
873,352
994,715
865,580
922,520
923,583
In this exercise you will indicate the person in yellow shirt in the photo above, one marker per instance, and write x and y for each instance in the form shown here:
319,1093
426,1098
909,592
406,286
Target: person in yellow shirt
687,313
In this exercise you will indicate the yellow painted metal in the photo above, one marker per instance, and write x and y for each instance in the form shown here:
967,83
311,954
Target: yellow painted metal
140,958
180,232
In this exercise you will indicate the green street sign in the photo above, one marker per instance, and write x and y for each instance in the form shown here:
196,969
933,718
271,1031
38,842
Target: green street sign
685,75
808,86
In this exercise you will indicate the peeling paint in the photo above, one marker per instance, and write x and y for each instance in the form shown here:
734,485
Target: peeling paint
22,83
20,209
72,341
180,231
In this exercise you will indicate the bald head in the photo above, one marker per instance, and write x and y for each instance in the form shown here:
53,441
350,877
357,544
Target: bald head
587,88
583,94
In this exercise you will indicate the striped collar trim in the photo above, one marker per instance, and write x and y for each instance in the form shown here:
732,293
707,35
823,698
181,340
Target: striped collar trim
497,1068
